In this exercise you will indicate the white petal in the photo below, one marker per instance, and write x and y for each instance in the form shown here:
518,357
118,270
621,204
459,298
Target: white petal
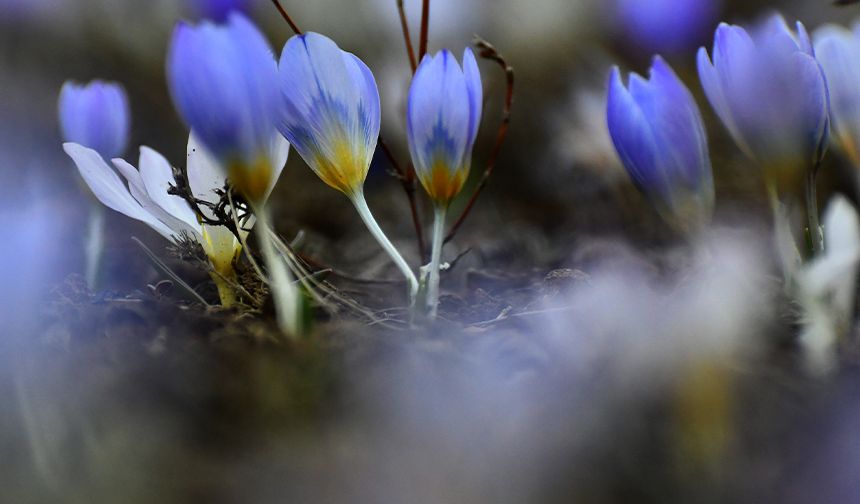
205,174
157,176
108,187
278,153
138,190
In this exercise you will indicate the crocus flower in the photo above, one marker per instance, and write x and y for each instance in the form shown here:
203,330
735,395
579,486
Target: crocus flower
442,119
332,110
331,117
666,26
146,198
838,51
659,135
223,82
219,10
95,115
770,93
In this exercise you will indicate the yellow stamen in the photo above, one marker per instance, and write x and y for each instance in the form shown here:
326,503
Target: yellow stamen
253,180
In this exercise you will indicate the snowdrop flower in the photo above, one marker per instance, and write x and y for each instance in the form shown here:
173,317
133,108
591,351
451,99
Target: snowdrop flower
660,137
332,118
95,115
770,93
666,26
828,283
442,118
145,198
223,82
838,51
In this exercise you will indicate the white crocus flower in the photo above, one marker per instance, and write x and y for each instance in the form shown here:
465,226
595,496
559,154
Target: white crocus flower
827,285
146,199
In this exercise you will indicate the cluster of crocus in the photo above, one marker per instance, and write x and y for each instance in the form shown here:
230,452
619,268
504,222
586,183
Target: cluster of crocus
241,106
768,90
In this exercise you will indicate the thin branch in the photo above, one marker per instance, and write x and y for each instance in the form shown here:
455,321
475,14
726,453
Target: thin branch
425,26
404,24
287,17
407,180
489,52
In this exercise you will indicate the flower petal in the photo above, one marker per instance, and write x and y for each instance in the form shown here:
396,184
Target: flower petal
108,188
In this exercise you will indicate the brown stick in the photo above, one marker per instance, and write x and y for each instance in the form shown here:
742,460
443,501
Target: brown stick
287,17
425,27
489,52
407,180
404,25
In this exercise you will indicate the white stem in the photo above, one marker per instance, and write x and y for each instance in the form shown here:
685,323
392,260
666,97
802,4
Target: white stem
364,212
95,242
436,260
284,293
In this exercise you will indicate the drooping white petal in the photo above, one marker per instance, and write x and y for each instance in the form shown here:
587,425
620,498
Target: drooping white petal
157,176
138,190
108,187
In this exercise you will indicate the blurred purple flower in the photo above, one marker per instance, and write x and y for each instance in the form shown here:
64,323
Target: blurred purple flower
659,134
442,119
95,115
219,10
770,93
223,82
838,51
666,26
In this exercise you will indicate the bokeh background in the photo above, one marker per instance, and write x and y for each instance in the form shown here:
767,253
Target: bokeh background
180,432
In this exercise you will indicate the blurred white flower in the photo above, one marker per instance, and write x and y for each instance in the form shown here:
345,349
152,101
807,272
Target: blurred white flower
827,284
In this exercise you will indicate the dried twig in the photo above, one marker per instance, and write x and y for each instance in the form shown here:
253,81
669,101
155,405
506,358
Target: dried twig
487,51
287,17
408,181
404,25
425,26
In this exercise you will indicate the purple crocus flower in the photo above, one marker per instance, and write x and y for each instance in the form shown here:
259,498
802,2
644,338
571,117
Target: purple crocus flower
442,119
659,134
219,10
837,49
666,26
223,79
770,93
95,115
332,110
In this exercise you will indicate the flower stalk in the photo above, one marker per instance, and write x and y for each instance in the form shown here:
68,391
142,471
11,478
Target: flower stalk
285,295
363,210
815,236
94,246
436,260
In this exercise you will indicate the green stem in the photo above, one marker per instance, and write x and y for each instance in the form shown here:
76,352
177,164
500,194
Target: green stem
284,293
366,216
95,243
435,260
815,236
